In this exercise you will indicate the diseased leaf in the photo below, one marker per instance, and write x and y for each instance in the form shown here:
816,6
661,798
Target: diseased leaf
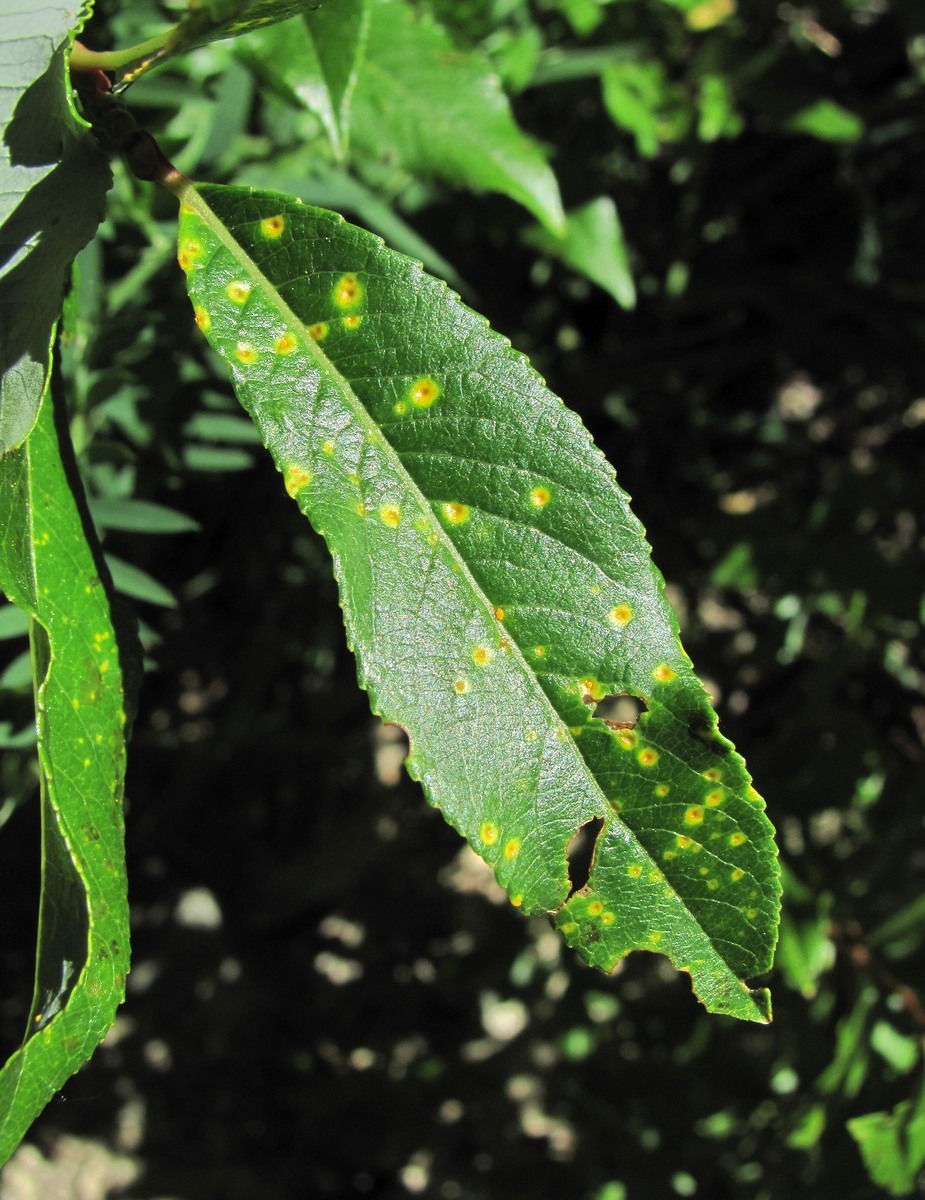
495,585
53,181
48,570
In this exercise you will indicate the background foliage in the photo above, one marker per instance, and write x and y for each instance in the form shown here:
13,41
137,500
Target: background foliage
286,1031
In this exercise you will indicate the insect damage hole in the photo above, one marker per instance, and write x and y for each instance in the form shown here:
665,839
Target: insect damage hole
620,711
579,854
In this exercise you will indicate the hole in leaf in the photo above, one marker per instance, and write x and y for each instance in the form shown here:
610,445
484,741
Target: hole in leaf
579,853
621,711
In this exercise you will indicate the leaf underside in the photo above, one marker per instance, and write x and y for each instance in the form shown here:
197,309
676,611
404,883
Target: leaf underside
53,181
47,569
494,585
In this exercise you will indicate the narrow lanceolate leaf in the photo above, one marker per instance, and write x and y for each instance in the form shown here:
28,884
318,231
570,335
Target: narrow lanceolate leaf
338,38
47,569
494,584
53,181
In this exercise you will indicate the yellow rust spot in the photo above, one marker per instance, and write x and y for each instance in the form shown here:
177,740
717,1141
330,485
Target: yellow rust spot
647,757
390,515
750,914
568,927
607,918
238,291
352,322
694,815
328,448
737,839
399,408
348,291
482,655
424,392
512,848
669,855
203,320
595,908
712,884
663,673
591,688
187,210
461,686
489,833
517,901
455,513
531,735
286,344
189,252
635,871
539,651
713,774
540,496
662,790
499,614
737,874
655,937
683,842
296,478
75,704
626,738
715,799
360,510
272,227
319,331
656,876
245,354
620,616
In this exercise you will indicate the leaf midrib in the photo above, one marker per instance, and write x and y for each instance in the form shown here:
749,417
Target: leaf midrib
188,195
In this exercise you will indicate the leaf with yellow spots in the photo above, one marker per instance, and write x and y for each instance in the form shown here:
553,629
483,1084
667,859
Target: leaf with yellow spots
495,587
48,569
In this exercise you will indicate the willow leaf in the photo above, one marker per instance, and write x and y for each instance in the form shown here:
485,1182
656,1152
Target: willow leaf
494,585
48,570
53,183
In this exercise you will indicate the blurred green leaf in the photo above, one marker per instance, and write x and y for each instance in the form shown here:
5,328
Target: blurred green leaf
829,121
593,244
442,473
893,1145
133,581
337,38
139,516
48,569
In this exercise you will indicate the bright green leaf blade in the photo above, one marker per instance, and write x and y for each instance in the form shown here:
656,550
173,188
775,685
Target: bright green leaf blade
47,568
53,181
494,582
338,36
442,112
593,244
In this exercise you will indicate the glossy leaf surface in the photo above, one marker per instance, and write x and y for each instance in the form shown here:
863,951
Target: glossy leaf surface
48,570
53,181
495,585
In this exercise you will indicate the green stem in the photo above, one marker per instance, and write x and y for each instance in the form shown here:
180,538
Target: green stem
83,59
